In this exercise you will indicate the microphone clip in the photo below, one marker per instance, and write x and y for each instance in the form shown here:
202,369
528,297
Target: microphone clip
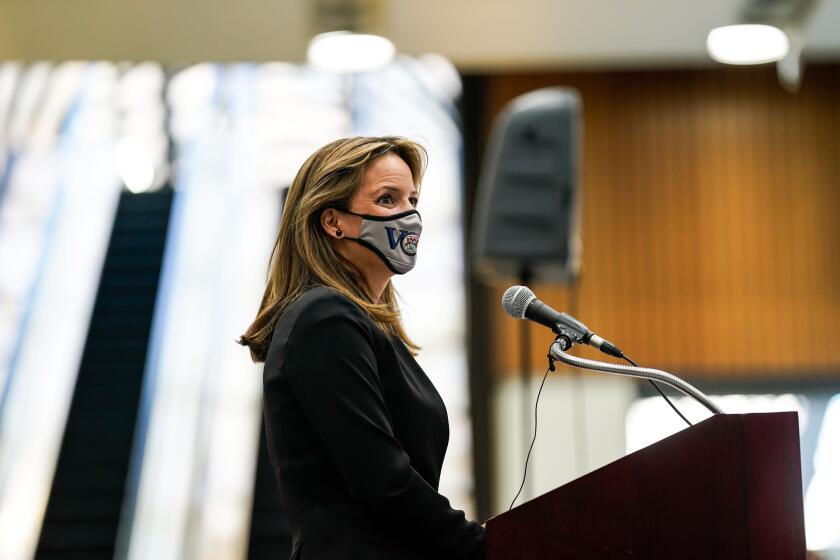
567,336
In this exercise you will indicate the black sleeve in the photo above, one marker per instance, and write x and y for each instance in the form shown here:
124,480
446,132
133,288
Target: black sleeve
331,368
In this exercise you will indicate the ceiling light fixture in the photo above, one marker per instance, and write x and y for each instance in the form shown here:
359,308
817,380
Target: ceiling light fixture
747,43
348,36
347,52
769,31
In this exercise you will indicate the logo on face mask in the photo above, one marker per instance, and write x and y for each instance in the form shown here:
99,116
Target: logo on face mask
409,243
407,240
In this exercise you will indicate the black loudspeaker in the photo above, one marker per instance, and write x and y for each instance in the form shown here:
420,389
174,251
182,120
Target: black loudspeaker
526,223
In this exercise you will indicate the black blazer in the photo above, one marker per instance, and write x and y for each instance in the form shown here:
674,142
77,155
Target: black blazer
357,435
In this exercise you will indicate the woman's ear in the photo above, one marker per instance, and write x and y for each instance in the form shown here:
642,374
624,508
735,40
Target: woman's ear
331,222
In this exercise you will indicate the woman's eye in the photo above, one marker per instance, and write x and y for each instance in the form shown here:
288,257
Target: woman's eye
389,200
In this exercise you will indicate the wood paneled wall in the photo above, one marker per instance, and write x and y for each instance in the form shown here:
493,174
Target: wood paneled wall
711,220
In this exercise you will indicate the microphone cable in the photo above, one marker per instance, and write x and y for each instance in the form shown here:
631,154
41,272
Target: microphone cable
655,386
536,416
536,408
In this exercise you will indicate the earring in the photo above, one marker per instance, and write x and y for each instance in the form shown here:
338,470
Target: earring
338,233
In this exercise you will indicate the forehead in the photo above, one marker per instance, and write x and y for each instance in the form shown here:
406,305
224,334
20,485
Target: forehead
389,170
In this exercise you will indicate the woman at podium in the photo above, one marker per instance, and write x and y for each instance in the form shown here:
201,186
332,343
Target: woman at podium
356,431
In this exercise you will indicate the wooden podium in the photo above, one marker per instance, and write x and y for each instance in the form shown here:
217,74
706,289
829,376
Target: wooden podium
729,487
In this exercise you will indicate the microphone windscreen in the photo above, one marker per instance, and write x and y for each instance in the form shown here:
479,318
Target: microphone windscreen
516,300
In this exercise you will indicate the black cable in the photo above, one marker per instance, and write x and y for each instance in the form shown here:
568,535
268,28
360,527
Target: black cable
536,416
655,386
536,405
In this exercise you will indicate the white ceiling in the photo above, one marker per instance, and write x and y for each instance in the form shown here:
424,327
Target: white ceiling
475,34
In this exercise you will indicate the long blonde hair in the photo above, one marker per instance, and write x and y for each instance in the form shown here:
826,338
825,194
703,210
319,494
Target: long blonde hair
303,255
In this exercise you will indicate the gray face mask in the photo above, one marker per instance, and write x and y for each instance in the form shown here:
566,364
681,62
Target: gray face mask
393,238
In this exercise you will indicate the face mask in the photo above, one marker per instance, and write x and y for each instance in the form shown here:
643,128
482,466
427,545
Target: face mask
393,238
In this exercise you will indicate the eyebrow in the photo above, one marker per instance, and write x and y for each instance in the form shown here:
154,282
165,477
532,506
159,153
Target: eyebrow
396,189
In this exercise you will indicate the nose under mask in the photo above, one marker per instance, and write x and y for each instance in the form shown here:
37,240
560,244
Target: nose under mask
393,238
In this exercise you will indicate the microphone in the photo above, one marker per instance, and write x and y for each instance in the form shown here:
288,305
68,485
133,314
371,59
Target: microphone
521,303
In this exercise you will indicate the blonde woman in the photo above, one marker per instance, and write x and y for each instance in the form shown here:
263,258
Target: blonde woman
356,431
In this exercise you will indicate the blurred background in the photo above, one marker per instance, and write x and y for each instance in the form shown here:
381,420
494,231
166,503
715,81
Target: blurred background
145,150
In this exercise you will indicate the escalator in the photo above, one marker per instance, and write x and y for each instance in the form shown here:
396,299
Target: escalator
88,488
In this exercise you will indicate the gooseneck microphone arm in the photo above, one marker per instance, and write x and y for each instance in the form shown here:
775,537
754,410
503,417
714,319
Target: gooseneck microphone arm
640,372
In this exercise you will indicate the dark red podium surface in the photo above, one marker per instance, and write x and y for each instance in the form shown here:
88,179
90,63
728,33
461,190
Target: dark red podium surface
727,487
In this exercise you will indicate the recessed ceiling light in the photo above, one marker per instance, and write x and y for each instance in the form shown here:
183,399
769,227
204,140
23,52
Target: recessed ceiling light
747,43
345,51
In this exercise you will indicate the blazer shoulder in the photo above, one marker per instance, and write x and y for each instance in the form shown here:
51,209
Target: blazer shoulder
319,303
315,305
